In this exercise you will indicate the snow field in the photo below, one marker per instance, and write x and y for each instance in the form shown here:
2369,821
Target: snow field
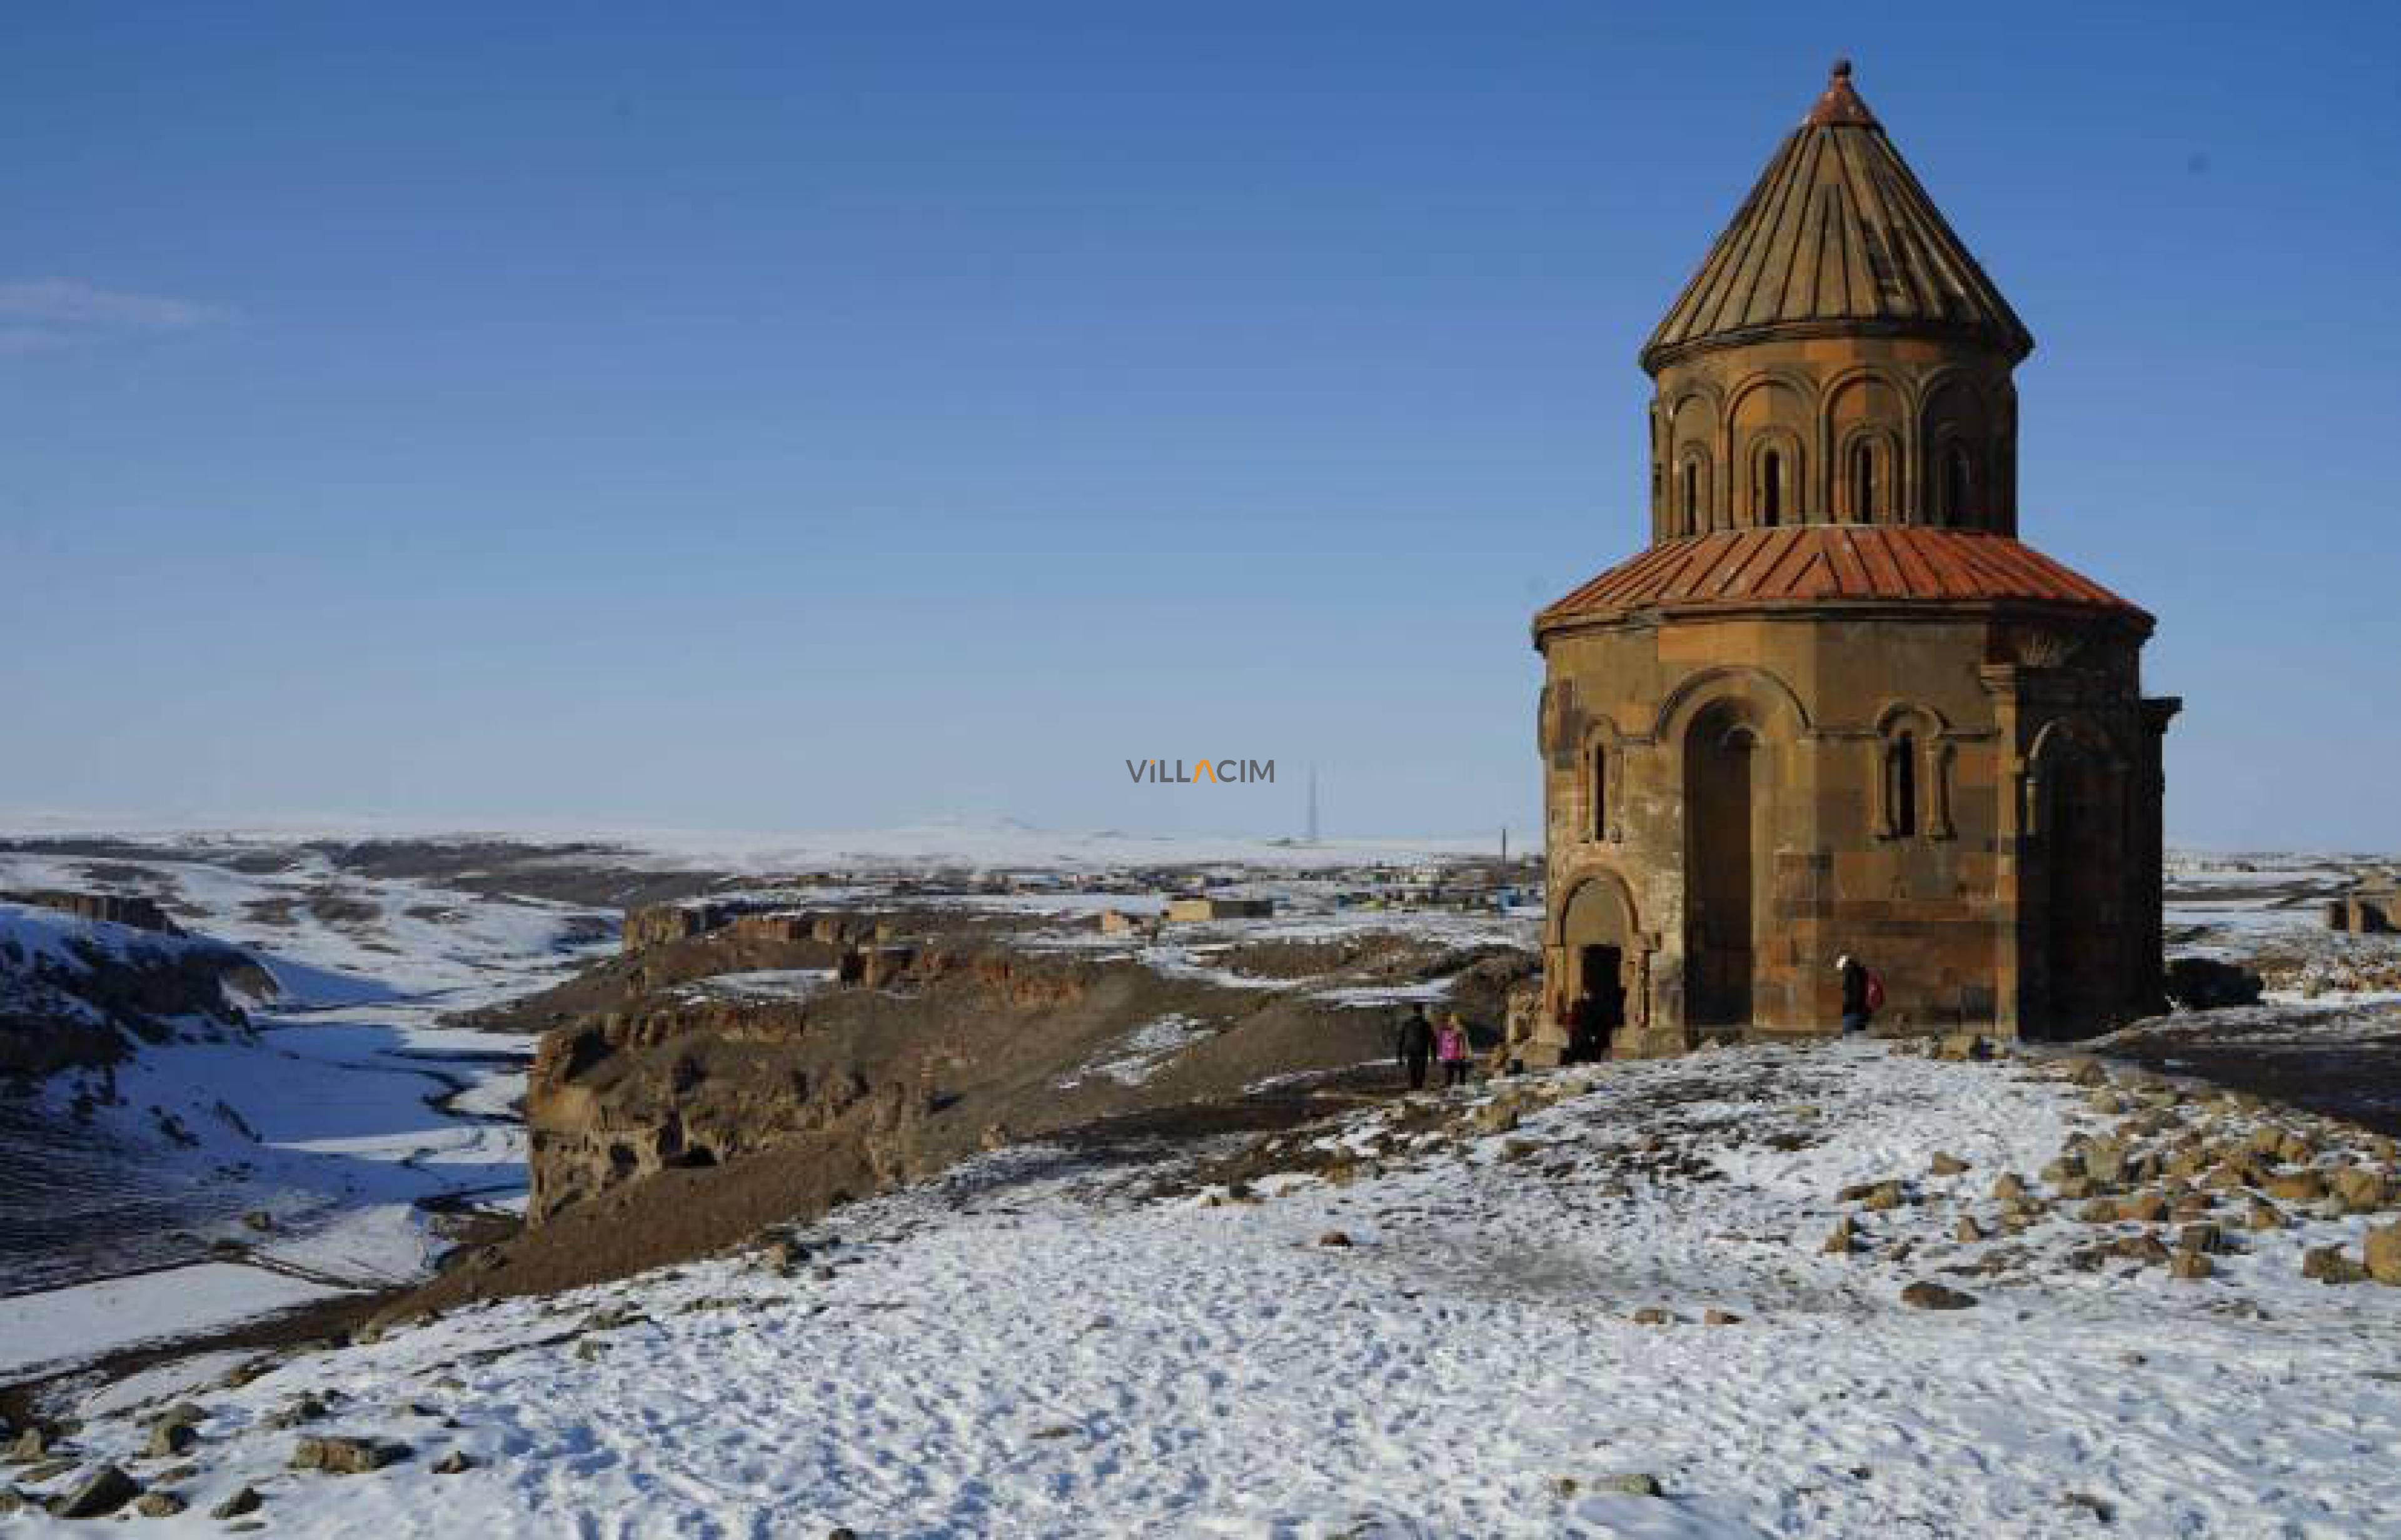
1027,1350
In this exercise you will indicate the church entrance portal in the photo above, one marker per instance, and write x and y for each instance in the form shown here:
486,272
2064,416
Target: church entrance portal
1718,804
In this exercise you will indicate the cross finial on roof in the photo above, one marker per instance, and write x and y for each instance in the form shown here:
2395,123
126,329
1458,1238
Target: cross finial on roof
1839,106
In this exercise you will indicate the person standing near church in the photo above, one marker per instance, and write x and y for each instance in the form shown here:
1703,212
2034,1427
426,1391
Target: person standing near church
1862,995
1413,1045
1450,1050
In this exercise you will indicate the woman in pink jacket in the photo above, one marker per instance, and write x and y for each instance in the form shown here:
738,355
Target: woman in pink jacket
1450,1050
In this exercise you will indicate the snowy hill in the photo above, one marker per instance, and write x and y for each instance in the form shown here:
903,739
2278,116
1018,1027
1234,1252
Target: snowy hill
84,992
1490,1315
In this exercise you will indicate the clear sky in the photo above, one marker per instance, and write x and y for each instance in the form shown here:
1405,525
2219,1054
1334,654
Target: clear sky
791,416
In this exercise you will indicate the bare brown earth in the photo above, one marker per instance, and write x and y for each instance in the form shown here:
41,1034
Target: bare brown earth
667,1124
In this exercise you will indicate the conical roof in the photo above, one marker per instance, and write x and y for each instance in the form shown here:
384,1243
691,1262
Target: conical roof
1838,236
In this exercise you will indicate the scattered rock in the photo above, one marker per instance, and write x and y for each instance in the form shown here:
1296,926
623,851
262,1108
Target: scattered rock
2384,1254
452,1464
307,1408
245,1500
1842,1240
1716,1317
1885,1196
1968,1231
2189,1264
337,1455
1652,1315
2145,1247
2008,1187
2264,1215
2149,1208
169,1439
1963,1047
31,1445
259,1221
1496,1118
2362,1191
1333,1238
2299,1187
1945,1164
1635,1484
101,1494
2201,1238
2100,1508
1925,1294
2330,1265
160,1505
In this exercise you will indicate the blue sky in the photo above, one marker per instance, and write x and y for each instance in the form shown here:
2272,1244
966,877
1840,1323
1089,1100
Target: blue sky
784,415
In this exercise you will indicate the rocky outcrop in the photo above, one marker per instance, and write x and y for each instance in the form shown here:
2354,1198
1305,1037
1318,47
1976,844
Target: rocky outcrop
694,1083
2206,984
132,912
78,993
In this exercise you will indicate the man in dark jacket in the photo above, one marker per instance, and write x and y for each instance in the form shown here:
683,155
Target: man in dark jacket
1413,1045
1859,1008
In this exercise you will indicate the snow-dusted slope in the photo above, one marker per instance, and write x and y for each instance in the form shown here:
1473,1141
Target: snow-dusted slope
1031,1348
332,1123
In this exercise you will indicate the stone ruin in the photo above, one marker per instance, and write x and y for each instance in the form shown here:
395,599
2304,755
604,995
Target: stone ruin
2370,909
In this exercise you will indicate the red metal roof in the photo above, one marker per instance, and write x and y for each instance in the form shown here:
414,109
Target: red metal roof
1822,564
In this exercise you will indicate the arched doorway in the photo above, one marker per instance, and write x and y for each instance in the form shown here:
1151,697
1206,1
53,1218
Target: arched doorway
1596,943
1720,750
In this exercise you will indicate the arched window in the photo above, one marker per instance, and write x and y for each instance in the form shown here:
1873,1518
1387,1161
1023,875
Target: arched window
1957,469
1692,497
1900,785
1863,508
1599,791
1771,489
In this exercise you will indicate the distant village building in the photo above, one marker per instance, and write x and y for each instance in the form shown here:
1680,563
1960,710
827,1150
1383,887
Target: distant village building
1185,911
1837,706
2370,909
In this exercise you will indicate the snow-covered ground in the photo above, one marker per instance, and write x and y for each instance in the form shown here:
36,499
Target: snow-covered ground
1607,1310
349,1109
1028,1348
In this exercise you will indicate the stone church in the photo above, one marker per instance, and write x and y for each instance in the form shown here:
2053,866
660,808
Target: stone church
1837,706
